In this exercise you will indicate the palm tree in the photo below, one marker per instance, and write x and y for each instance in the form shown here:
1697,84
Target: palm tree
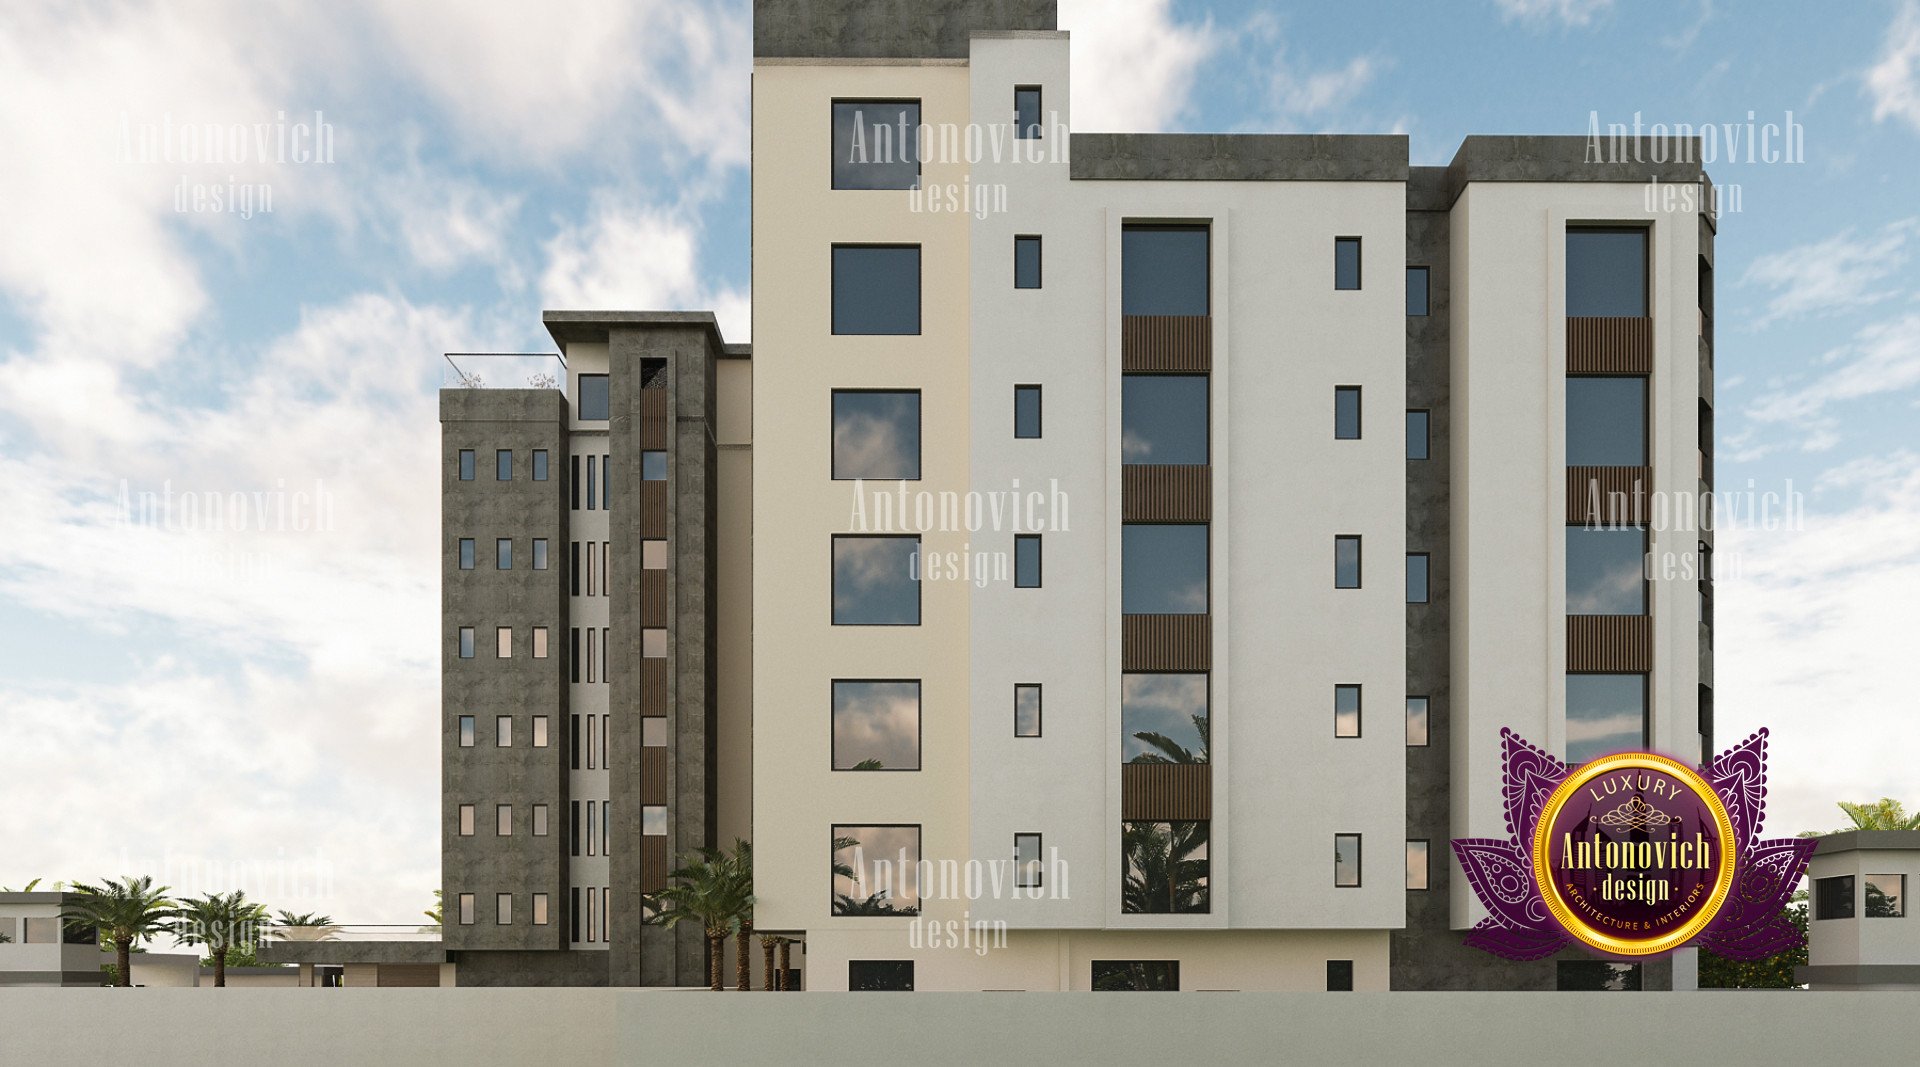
306,926
1172,751
28,888
1887,814
846,903
742,861
768,942
125,912
435,913
223,924
1163,874
708,890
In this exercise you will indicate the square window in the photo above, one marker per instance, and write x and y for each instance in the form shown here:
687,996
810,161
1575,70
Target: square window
653,643
1346,860
1417,442
1606,570
1417,564
1833,897
875,870
876,144
880,976
1346,711
466,731
1346,413
1417,722
876,581
1026,711
1607,272
1339,976
1606,421
503,553
1605,713
540,736
539,553
466,909
1166,869
503,820
1163,718
1026,262
1346,263
1416,292
1886,896
593,404
1026,113
1163,569
466,553
1164,270
1027,870
653,732
653,820
539,464
876,435
1136,976
876,725
1026,411
503,465
466,820
1026,561
466,464
653,554
1346,562
653,466
504,642
1417,871
503,731
876,289
466,642
1164,419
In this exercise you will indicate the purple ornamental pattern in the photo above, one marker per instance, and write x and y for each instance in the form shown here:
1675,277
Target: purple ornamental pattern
1518,926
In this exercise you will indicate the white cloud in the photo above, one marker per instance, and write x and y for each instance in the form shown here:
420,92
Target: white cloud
628,256
1882,357
1134,66
1842,272
1894,82
1569,12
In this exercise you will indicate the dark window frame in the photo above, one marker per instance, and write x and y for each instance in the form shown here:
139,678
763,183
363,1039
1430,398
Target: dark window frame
1359,705
1359,861
1339,392
466,465
1359,264
920,851
919,293
1035,130
503,464
1204,226
1039,561
919,165
1039,260
579,407
1426,577
894,969
1039,411
1207,436
919,724
1426,434
1643,229
1207,556
1426,728
919,431
919,585
1339,976
1039,859
1836,897
466,553
1040,708
1359,561
1426,292
1426,854
540,466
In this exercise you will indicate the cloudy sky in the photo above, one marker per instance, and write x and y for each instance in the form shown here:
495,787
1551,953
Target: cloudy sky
257,706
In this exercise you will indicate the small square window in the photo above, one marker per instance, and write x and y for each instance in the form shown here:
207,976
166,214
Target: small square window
466,553
1346,860
466,909
1026,411
503,553
466,464
503,465
466,731
1346,562
1346,263
1417,443
653,820
1416,292
1026,711
1417,591
1346,413
539,553
1346,711
1027,870
1026,262
1027,123
1417,871
653,555
1026,561
504,640
653,732
539,464
466,642
540,736
653,466
1833,897
1417,723
503,731
653,643
466,820
593,404
1886,896
1339,976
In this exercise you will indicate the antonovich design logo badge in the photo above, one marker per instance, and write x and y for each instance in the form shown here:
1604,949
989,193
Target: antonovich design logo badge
1633,855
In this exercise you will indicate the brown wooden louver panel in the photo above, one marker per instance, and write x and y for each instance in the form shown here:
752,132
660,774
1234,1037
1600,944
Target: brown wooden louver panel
1166,792
653,509
653,863
1166,493
1166,343
1166,642
653,775
407,975
653,419
653,687
1620,492
1597,345
653,598
1609,643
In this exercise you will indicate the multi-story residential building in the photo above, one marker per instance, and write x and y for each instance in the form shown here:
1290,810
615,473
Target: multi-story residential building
1167,525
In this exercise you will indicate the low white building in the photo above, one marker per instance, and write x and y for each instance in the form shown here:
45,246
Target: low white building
1861,930
36,950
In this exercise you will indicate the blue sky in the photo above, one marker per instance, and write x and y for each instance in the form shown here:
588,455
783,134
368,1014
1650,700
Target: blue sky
237,707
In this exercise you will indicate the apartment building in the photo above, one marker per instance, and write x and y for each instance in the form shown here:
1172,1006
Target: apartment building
1154,532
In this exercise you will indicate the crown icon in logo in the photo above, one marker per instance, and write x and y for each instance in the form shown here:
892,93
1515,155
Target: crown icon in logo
1635,814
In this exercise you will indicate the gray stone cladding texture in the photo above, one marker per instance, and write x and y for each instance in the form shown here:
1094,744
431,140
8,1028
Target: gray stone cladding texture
888,29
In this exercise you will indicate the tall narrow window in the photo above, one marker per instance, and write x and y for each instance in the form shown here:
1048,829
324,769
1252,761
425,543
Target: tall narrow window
1026,561
466,909
573,567
466,731
1346,263
1416,292
1026,711
1346,860
503,731
503,465
539,909
606,821
1417,726
606,482
466,553
573,482
573,914
466,464
1417,444
1346,413
539,464
1417,592
1026,861
573,741
1346,711
540,738
503,908
876,289
573,828
503,820
1026,411
593,745
539,553
593,403
466,820
539,642
876,144
592,465
1417,865
1026,262
503,553
573,653
503,639
1346,562
539,820
466,642
1027,120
